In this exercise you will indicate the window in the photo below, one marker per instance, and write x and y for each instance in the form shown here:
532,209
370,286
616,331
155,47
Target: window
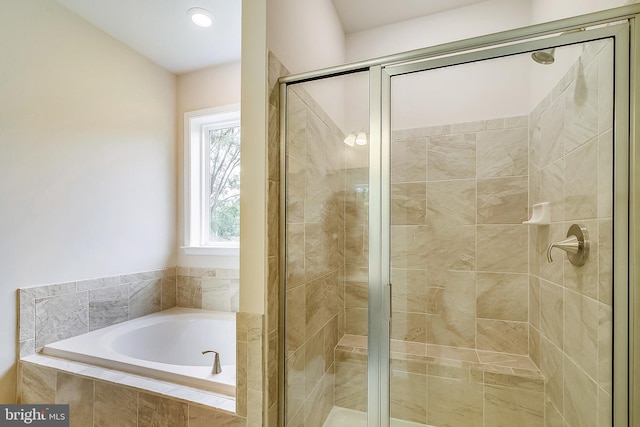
212,181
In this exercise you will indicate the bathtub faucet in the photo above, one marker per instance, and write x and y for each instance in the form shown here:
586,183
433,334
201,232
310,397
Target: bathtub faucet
216,362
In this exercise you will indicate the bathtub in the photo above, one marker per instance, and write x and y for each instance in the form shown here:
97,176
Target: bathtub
167,345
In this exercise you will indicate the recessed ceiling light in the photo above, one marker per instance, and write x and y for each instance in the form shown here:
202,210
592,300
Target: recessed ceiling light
201,17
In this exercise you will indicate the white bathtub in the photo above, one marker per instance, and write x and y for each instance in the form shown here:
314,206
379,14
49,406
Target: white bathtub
167,345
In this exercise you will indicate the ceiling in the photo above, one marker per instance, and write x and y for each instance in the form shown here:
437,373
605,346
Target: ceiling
359,15
162,31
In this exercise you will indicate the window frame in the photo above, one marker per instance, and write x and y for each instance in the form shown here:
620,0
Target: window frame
197,125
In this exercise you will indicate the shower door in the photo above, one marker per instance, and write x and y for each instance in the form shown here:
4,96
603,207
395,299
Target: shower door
488,328
432,272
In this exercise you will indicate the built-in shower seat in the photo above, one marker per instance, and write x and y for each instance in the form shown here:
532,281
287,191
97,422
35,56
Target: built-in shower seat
439,385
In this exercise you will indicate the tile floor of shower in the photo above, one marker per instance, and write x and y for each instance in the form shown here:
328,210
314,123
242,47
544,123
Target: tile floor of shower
433,385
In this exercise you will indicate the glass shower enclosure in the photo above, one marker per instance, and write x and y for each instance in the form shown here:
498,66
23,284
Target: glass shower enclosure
433,274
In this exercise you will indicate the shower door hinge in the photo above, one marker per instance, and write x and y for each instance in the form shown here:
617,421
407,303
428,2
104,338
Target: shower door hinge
387,303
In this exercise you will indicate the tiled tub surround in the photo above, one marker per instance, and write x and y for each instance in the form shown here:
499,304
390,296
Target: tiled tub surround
53,312
49,313
570,308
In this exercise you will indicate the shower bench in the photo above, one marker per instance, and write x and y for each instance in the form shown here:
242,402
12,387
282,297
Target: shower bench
440,385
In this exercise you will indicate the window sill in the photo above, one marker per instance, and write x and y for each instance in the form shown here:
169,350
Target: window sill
211,250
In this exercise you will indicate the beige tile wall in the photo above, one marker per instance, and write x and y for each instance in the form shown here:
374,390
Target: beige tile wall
570,307
315,258
459,196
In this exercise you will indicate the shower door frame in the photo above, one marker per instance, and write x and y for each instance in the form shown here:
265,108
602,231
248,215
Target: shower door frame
626,232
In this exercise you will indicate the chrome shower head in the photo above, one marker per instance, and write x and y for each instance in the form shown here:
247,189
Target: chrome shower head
544,57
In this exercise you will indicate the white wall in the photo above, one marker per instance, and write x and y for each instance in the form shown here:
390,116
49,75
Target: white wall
197,90
87,159
305,36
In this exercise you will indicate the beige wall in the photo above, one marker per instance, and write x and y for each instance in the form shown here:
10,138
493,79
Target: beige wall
87,170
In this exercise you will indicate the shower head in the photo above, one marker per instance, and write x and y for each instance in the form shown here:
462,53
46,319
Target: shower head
544,57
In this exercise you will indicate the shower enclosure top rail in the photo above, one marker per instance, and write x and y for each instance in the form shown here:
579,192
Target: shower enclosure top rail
489,40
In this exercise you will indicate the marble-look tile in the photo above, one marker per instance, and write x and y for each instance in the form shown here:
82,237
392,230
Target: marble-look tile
514,382
108,306
553,416
408,396
27,316
273,218
451,202
534,301
504,336
445,248
507,360
189,292
254,363
330,338
551,125
296,312
451,157
205,417
605,261
103,282
78,393
351,386
605,174
295,255
155,411
321,302
295,191
443,330
451,294
409,326
552,188
27,348
580,397
144,297
315,409
454,402
241,377
551,366
581,108
605,348
355,294
502,152
605,409
295,384
409,203
169,292
516,122
356,322
38,384
502,296
513,407
454,353
581,322
503,248
61,317
467,127
355,251
551,271
55,289
502,200
314,362
409,290
581,182
409,160
605,87
534,345
114,405
552,312
217,294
